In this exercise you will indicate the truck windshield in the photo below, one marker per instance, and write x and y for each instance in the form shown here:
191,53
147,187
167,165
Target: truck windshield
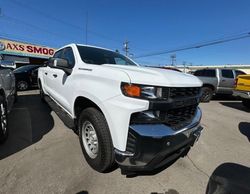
97,56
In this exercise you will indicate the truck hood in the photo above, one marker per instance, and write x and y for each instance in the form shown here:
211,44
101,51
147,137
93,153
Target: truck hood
157,76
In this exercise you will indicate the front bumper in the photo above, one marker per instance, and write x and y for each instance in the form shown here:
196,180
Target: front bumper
241,94
154,145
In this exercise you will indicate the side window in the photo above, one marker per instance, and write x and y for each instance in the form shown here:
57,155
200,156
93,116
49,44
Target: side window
209,73
198,73
206,73
58,54
238,72
227,73
120,61
69,55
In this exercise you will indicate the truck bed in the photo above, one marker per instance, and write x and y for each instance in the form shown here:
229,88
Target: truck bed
243,83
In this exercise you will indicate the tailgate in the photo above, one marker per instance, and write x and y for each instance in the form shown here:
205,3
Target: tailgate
243,82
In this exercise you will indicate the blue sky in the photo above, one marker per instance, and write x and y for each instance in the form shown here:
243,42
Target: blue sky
149,26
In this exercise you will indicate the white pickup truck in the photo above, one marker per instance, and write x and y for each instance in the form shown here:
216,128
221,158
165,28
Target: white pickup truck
142,118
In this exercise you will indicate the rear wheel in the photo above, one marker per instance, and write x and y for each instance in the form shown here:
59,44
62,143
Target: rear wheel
22,85
206,94
95,139
246,103
3,120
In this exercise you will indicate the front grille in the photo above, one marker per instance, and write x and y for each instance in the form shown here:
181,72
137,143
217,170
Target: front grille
179,117
179,92
177,110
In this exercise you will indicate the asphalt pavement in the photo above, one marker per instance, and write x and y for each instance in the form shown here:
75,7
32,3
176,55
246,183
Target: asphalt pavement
43,156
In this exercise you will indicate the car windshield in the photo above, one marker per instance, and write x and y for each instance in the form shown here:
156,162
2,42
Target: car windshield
97,56
24,68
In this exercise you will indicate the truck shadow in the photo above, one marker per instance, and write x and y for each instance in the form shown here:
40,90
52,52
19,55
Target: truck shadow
244,128
224,97
236,105
29,120
229,178
151,172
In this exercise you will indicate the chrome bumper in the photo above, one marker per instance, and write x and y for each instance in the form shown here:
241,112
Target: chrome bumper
242,94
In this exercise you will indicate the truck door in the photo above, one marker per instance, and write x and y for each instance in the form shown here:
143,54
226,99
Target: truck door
59,80
226,81
49,78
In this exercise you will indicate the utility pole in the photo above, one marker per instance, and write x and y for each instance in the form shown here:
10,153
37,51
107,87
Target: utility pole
173,59
125,47
184,65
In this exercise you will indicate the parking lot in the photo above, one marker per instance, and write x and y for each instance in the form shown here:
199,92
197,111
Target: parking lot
43,156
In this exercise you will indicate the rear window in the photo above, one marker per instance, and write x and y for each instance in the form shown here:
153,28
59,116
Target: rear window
25,68
238,72
206,73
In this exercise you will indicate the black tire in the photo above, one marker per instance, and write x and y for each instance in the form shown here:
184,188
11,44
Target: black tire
22,85
246,103
104,158
206,94
4,130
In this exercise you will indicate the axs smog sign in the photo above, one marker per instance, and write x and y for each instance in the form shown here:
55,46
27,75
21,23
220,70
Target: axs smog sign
24,49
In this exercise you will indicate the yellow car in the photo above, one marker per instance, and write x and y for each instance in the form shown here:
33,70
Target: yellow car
242,89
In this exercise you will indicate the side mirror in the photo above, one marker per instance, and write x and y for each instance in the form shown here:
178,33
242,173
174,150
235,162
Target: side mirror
59,63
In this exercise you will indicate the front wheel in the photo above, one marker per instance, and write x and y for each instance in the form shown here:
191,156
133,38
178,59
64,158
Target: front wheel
246,103
206,94
3,120
95,139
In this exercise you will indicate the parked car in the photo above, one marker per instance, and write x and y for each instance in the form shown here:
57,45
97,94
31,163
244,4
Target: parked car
242,89
7,99
26,77
217,81
8,64
139,117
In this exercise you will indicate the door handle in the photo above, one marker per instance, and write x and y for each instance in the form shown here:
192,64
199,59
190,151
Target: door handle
54,75
223,80
46,73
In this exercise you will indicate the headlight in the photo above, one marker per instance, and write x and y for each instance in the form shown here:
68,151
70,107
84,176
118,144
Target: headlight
141,91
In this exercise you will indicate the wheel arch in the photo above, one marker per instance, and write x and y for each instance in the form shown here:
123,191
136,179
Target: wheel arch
82,103
209,86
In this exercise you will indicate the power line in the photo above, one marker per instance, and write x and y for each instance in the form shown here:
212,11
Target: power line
37,11
18,38
18,21
199,45
26,6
